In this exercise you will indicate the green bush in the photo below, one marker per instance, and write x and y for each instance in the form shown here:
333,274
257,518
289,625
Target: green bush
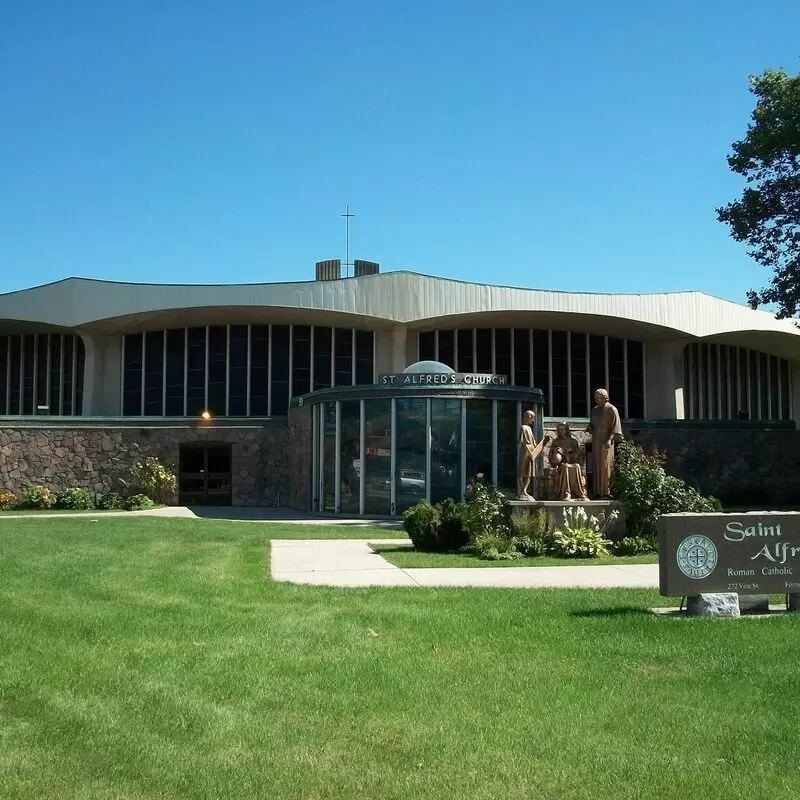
530,533
645,489
112,501
7,500
578,543
495,548
438,528
138,502
38,497
488,512
75,499
419,522
155,479
632,546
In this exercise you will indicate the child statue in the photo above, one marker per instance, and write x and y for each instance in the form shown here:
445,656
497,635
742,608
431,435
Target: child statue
529,451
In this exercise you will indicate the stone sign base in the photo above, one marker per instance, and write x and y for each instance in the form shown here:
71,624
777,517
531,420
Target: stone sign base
555,512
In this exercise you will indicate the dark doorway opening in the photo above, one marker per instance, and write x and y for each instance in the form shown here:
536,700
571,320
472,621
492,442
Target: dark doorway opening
205,474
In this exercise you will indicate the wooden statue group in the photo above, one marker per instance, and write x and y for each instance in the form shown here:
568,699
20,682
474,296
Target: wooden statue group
564,453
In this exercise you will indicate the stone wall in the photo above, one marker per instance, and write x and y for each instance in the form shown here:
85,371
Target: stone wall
98,458
738,464
299,477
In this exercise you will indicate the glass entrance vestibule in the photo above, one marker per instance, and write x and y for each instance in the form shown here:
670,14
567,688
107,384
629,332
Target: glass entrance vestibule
378,450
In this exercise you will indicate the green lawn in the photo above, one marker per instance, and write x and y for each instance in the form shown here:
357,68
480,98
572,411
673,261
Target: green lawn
406,557
153,658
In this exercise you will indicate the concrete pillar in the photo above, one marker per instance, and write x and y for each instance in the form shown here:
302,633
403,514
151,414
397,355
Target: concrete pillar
102,375
399,349
90,376
664,389
384,353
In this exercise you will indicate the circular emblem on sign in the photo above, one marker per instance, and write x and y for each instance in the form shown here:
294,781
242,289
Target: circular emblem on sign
697,557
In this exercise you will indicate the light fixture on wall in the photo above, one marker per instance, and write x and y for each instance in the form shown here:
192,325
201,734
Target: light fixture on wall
206,416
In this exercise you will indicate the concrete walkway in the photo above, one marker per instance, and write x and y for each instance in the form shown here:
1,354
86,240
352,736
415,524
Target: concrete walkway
351,562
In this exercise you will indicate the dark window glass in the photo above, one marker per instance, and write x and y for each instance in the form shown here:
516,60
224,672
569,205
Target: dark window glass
466,361
558,343
55,373
69,373
350,452
478,449
218,370
755,411
364,357
763,386
3,375
774,391
176,349
724,389
698,394
427,346
154,373
237,375
578,367
711,378
410,466
80,369
733,401
343,349
745,412
786,411
322,358
447,348
616,374
635,380
131,378
41,370
502,352
597,364
301,360
522,357
378,460
483,350
196,371
541,367
446,449
15,381
259,370
29,358
280,370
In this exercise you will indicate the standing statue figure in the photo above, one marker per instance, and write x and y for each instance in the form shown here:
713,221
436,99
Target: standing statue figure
529,451
606,430
565,457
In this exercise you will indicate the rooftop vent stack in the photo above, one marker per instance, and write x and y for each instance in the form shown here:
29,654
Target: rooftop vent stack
366,268
329,270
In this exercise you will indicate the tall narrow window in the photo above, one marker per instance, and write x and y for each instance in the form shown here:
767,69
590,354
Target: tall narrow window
483,350
560,372
343,349
635,380
763,384
154,373
364,358
80,369
176,344
427,346
55,374
579,395
711,380
745,411
3,375
41,371
541,367
29,356
774,391
724,380
196,371
301,360
466,343
447,352
502,352
259,370
279,371
217,369
69,366
237,372
323,353
616,375
786,411
597,364
131,378
522,357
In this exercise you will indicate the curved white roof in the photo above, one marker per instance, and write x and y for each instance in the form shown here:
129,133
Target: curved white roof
403,298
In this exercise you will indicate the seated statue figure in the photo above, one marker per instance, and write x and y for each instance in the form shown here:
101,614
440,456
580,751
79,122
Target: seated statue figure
564,457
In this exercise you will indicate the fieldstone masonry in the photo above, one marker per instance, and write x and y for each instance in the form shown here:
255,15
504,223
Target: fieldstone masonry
99,458
300,457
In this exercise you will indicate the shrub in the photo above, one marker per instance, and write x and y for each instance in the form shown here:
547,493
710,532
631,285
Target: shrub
37,497
632,546
646,490
530,533
112,501
138,502
154,479
7,500
419,522
531,546
452,528
578,543
495,548
75,499
489,513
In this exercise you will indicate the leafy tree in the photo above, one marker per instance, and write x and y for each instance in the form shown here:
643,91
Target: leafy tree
767,215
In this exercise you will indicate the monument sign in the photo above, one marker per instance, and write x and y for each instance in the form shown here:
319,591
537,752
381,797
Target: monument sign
443,379
751,553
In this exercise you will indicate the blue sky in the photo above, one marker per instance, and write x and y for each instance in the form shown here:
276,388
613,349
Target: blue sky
574,146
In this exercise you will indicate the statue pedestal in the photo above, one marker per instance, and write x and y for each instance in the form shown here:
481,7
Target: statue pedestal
555,512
